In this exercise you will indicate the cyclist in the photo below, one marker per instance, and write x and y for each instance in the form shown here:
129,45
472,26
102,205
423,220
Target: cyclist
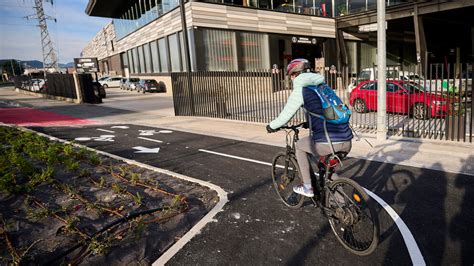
316,143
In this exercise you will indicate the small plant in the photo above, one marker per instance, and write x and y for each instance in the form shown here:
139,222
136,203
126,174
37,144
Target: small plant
72,165
123,171
98,247
137,198
70,223
116,188
135,178
102,181
95,159
84,173
68,150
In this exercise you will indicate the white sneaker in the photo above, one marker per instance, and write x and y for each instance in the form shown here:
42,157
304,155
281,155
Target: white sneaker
301,189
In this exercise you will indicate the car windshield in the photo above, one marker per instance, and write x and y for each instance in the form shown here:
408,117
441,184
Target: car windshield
151,81
134,80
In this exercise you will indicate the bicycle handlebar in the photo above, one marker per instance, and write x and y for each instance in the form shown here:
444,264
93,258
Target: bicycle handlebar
292,127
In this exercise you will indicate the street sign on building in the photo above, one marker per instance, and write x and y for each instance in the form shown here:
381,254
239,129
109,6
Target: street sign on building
305,40
86,65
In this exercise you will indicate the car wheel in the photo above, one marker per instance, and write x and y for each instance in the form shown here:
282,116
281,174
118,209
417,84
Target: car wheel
360,106
105,86
421,111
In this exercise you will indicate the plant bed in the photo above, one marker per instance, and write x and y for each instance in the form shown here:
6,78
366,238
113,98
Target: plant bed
60,204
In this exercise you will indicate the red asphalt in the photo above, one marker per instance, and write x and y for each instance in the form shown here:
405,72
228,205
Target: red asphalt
32,117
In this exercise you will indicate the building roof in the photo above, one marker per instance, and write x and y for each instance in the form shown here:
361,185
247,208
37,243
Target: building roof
107,8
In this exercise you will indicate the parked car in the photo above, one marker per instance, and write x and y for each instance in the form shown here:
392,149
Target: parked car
122,83
391,74
149,85
37,84
131,83
404,97
102,78
110,82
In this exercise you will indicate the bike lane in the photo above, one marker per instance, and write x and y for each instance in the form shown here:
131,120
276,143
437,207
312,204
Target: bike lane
255,227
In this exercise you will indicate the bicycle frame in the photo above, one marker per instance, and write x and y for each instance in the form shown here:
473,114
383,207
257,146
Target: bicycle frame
325,172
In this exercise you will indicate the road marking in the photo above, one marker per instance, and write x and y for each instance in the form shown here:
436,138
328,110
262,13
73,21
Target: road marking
154,140
105,130
413,250
147,132
121,127
165,131
415,253
141,149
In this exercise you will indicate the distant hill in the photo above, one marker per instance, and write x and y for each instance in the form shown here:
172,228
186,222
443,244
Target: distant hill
37,63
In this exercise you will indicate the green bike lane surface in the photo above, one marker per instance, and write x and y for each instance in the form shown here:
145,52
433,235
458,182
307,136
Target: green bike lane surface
255,227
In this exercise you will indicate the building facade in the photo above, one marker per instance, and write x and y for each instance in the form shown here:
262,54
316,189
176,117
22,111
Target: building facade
145,38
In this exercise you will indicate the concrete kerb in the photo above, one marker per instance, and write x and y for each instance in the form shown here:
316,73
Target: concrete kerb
195,230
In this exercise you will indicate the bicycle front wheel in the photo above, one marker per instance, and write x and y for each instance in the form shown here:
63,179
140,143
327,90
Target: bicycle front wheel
286,174
354,220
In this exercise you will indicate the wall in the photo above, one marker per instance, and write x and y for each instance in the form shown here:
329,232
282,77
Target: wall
102,45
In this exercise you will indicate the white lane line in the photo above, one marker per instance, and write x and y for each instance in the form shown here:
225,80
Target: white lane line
415,253
196,229
154,140
105,130
413,250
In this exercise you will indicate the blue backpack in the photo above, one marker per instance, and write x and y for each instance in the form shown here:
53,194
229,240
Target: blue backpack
334,110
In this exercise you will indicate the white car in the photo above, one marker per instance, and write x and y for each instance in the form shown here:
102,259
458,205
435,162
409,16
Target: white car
111,82
36,84
392,74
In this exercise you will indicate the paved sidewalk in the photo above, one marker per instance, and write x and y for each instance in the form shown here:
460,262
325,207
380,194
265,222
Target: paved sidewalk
157,110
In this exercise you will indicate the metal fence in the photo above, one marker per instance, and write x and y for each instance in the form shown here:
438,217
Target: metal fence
247,96
55,84
437,106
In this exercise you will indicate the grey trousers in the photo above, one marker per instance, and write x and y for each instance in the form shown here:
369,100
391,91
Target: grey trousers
306,145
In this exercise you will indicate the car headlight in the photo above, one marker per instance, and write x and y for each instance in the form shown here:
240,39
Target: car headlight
439,102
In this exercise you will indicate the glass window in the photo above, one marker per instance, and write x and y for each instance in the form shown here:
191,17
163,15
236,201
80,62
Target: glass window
130,61
146,53
174,53
124,58
254,51
141,59
154,56
219,50
163,52
391,87
183,55
136,66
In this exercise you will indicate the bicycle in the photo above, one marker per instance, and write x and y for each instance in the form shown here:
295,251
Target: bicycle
347,206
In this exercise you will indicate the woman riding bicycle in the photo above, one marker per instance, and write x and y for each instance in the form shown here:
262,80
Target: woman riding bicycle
317,143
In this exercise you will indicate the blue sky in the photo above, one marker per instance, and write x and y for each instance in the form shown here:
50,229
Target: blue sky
20,38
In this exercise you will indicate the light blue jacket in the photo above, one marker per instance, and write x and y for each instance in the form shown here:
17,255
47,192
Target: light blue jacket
295,101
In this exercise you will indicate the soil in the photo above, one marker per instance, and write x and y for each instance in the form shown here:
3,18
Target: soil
103,212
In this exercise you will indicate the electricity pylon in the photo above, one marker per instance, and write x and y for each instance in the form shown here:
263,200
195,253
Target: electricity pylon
50,60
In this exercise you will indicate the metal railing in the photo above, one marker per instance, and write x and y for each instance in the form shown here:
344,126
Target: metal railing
435,106
257,96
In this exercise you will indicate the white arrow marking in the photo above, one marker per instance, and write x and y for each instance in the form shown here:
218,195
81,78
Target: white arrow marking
147,132
146,150
105,130
154,140
165,131
121,127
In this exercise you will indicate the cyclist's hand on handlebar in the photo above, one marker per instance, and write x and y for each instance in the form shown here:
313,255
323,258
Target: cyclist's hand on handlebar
271,130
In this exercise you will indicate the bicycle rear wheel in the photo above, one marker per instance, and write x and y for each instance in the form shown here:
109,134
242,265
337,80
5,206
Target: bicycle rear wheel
354,221
286,174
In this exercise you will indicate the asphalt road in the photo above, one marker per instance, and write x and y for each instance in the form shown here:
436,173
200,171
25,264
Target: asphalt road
255,228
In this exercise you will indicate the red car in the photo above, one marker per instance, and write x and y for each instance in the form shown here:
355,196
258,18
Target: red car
402,97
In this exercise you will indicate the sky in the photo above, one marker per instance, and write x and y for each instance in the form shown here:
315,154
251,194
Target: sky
21,39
